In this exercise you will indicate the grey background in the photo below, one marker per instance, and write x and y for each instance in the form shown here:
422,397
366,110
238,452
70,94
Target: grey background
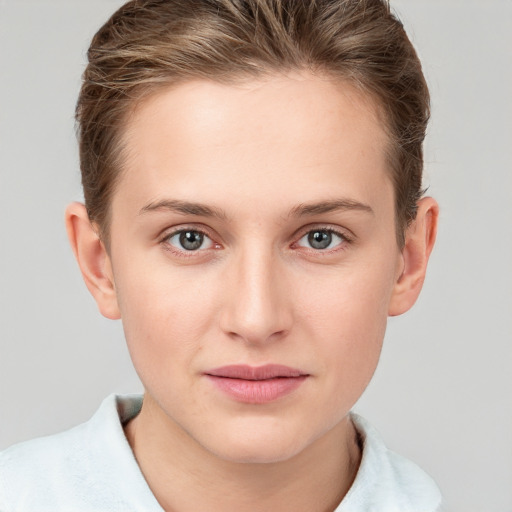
442,394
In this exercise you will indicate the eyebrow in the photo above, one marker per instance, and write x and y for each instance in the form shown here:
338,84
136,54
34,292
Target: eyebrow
332,205
183,207
301,210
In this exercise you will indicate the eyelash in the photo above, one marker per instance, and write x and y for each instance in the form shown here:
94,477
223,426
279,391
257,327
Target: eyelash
345,240
184,253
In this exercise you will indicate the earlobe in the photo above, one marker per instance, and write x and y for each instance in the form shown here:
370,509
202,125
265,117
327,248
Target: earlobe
419,242
93,260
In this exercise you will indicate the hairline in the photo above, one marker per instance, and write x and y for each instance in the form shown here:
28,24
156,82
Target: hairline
140,93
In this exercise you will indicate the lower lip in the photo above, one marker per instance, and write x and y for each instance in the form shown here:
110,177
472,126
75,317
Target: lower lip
257,391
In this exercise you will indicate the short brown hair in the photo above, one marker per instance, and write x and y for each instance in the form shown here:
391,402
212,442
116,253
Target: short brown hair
148,44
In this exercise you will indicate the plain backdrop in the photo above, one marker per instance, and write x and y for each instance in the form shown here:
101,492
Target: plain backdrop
442,395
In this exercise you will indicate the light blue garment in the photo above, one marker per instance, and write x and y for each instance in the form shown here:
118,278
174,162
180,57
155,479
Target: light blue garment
91,468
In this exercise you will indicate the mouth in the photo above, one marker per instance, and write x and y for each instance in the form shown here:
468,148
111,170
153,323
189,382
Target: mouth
256,384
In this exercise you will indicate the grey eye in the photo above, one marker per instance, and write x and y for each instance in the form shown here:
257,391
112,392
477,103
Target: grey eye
190,240
320,239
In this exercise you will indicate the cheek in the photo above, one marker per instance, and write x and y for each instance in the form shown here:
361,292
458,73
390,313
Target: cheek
165,315
353,299
351,327
348,320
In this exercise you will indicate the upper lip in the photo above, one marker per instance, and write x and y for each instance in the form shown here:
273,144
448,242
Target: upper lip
246,372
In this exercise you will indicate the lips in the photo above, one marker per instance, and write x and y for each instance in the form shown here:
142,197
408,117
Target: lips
256,385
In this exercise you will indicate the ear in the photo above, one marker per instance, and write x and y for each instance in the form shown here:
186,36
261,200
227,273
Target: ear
419,242
93,260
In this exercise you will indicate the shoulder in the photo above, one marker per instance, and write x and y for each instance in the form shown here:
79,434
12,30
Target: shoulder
386,481
81,469
41,465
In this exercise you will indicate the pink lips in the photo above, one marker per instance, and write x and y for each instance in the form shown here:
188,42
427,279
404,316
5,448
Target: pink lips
256,385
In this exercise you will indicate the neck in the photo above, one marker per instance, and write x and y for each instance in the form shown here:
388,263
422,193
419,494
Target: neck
175,467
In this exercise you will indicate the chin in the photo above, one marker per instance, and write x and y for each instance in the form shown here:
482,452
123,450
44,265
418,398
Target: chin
257,446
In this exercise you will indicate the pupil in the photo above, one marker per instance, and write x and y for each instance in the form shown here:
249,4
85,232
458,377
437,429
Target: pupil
320,239
191,240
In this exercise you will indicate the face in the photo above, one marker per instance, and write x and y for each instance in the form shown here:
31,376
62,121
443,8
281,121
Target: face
254,257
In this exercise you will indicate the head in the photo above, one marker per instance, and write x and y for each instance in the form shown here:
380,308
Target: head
252,178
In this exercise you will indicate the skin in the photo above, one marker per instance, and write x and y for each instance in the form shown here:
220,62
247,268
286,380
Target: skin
259,156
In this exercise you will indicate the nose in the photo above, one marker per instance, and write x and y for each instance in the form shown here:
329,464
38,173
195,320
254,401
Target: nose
256,305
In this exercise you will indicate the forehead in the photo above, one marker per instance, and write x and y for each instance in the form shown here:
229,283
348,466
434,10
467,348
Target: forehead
298,134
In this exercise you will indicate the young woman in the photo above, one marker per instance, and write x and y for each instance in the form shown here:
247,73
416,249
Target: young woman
253,213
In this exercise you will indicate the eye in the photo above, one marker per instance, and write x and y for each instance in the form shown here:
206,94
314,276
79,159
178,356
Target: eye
189,240
321,239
